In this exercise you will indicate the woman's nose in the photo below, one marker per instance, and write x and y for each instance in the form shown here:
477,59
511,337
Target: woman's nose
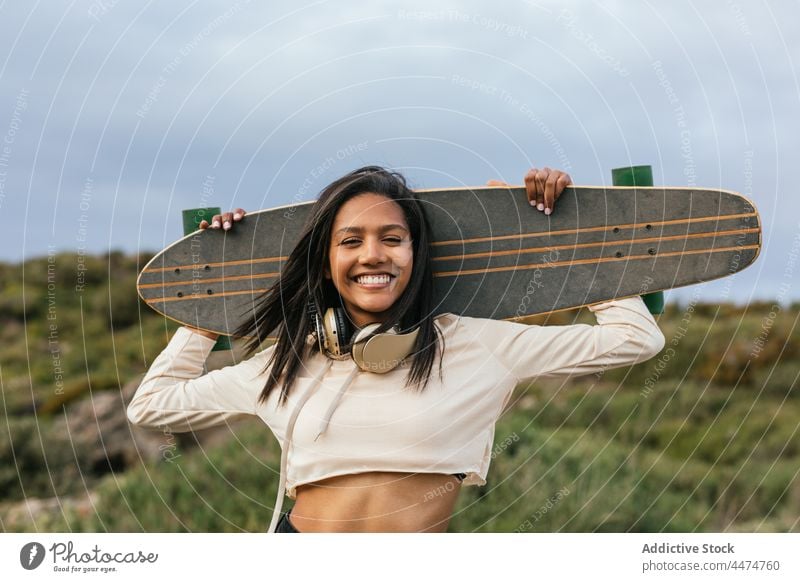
372,252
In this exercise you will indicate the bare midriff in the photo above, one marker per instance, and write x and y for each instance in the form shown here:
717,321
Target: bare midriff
376,502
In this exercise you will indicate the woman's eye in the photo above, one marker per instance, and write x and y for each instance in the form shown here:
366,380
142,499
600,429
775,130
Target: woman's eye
349,242
393,240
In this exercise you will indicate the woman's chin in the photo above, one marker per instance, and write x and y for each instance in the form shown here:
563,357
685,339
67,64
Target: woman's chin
366,314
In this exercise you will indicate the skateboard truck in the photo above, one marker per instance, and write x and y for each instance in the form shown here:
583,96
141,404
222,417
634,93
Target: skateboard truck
192,218
640,176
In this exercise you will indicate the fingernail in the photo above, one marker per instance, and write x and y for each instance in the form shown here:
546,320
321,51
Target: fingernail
215,224
540,206
237,216
547,211
227,225
533,202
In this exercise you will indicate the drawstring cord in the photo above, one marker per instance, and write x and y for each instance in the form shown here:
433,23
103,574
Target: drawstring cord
342,389
288,441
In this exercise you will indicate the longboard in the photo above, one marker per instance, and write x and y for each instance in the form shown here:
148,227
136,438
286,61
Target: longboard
493,255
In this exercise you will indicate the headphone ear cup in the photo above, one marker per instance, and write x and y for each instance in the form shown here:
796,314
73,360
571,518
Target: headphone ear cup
365,332
383,352
317,326
337,331
359,344
342,327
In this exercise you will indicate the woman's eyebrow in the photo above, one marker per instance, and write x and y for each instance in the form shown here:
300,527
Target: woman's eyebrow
361,229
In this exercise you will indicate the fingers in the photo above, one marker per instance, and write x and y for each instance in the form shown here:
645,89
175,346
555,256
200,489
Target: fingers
550,192
544,186
227,220
534,187
496,183
224,221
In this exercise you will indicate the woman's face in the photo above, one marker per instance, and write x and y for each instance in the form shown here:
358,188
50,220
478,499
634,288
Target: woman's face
370,257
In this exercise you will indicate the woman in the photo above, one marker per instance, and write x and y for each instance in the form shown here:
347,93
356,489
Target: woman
388,451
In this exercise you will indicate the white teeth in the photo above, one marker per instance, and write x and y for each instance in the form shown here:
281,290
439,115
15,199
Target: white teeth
373,279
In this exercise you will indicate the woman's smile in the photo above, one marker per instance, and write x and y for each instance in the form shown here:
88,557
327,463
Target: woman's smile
370,257
376,281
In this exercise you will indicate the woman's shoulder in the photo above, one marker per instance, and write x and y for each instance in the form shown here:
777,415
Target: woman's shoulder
446,322
449,323
444,319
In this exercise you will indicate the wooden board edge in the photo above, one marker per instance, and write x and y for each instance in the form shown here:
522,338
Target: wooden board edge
184,324
590,187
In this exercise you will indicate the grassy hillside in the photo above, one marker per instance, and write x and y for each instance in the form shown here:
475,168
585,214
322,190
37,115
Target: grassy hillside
68,323
703,437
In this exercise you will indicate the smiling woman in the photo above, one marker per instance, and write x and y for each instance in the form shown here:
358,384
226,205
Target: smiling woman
372,438
370,257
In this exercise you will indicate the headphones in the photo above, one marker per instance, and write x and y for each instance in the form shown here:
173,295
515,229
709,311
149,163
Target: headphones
377,353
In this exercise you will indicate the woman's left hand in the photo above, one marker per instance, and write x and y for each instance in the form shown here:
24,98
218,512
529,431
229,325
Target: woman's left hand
543,187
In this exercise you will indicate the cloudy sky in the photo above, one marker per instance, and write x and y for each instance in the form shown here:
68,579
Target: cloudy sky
115,115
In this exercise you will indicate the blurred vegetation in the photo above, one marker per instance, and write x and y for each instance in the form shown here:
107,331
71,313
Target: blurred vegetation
63,335
704,437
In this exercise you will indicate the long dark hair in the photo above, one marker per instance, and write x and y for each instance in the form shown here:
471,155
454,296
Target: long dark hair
283,310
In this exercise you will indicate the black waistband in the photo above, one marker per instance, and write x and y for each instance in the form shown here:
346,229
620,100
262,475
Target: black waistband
286,526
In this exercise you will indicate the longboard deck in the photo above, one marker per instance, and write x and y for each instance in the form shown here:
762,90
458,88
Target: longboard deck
493,255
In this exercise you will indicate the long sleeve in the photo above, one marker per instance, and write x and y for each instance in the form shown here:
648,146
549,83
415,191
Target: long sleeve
625,334
174,394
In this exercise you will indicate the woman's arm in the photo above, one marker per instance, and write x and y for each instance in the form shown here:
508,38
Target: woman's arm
625,334
175,394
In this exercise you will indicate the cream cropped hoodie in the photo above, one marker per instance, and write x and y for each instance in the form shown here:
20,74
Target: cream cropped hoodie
339,420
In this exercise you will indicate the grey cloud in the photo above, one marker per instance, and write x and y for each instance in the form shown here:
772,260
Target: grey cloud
455,92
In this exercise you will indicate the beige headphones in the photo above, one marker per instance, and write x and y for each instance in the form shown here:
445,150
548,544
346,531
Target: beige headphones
377,353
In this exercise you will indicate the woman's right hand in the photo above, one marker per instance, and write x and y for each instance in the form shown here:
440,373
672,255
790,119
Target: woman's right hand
224,221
